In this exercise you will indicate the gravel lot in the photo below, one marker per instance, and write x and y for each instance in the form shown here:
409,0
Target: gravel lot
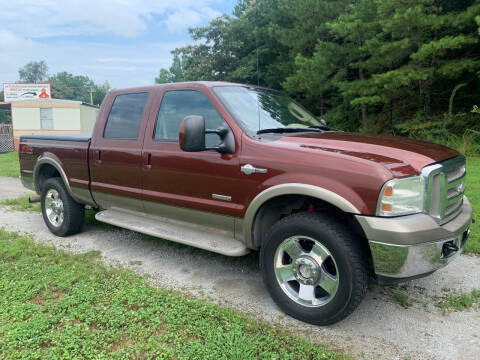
379,328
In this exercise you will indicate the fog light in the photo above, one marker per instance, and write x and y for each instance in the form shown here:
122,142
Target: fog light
449,248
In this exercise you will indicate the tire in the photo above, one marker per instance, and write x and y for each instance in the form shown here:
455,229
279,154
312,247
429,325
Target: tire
62,215
314,268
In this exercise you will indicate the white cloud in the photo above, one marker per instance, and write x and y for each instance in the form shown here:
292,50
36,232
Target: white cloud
128,18
60,32
86,59
189,18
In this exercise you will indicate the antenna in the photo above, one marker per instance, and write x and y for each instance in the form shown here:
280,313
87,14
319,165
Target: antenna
258,72
258,67
91,95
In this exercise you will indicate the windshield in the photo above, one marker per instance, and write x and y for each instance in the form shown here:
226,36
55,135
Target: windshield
259,109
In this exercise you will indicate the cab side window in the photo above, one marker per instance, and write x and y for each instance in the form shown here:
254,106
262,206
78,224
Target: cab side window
126,116
176,105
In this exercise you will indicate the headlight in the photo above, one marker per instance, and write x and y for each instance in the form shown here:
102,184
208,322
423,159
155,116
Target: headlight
402,196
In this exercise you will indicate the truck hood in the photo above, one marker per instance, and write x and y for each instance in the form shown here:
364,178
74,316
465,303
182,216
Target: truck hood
402,156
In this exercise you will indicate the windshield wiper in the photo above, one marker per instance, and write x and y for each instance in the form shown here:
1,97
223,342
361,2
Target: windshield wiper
288,130
324,128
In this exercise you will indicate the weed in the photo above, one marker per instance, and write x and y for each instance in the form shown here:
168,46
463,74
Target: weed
401,299
460,302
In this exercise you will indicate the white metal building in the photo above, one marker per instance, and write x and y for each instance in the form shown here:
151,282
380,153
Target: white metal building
50,116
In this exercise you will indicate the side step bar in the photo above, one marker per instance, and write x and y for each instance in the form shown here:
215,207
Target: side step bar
186,233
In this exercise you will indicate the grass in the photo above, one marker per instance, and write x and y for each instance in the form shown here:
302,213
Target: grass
57,305
9,165
402,299
473,194
21,204
460,302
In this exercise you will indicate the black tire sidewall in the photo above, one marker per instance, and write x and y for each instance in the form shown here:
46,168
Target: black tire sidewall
325,230
73,212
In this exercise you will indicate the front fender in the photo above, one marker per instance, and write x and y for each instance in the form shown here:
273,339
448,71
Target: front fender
292,189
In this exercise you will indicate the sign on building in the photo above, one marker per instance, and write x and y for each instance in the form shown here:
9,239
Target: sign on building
16,92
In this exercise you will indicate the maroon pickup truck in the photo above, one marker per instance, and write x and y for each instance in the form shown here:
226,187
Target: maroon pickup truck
232,168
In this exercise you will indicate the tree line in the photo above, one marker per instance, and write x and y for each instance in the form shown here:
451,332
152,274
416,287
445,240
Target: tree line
378,66
64,85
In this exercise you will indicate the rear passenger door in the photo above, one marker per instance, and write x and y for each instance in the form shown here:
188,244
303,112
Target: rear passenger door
116,151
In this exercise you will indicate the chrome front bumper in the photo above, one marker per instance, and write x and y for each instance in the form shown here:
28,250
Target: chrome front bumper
414,245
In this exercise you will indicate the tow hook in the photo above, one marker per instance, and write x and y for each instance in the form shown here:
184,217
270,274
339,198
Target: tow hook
34,199
449,248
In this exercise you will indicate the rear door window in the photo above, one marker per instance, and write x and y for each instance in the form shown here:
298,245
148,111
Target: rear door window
126,116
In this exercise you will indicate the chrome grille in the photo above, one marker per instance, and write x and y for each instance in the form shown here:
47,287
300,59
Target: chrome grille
445,183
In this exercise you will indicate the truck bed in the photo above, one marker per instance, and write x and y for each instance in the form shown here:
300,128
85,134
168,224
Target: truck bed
59,137
67,154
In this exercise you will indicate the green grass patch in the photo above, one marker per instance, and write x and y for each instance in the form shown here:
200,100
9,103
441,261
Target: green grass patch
57,305
460,302
473,194
402,299
21,204
9,165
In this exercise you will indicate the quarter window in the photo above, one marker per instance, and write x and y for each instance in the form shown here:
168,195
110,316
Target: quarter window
178,104
126,116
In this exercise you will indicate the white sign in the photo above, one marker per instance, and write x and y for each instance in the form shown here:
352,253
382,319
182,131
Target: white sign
17,92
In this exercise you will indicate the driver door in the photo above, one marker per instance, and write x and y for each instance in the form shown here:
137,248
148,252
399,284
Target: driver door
197,187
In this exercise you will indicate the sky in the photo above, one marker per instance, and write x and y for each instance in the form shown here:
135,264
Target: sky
124,42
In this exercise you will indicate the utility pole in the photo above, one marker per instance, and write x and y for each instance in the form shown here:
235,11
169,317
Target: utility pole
91,95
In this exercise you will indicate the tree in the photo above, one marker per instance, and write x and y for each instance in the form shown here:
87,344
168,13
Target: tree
164,76
374,65
5,116
77,87
33,72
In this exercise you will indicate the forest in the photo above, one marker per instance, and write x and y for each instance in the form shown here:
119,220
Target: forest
403,67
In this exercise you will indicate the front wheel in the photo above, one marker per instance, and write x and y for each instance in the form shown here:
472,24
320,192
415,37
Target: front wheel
62,215
314,268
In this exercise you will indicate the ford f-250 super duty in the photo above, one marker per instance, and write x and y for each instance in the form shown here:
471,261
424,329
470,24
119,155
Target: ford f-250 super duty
233,168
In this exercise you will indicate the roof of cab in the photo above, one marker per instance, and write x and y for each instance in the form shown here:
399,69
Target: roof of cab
208,84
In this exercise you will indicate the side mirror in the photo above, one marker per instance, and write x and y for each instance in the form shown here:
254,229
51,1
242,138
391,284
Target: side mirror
192,136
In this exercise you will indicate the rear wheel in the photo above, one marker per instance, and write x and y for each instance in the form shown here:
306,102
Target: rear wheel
313,268
62,215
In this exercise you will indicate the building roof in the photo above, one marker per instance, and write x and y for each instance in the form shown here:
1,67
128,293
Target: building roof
7,105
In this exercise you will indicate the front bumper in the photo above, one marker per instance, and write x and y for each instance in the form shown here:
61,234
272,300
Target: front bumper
413,246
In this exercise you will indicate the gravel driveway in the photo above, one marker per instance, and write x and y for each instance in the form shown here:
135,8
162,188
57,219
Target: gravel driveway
379,328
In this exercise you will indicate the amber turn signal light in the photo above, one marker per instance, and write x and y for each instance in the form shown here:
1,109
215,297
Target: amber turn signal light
386,207
388,191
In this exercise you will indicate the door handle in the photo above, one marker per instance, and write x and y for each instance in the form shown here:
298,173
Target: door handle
249,169
98,160
147,162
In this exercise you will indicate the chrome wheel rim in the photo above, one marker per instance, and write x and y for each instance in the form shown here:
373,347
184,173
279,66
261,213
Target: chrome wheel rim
54,208
306,271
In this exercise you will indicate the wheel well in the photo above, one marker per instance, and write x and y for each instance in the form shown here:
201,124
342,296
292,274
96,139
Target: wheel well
275,209
45,172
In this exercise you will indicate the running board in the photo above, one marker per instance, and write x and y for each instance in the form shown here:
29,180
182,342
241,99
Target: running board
202,237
